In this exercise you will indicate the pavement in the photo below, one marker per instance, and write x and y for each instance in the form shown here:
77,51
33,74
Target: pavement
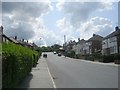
40,77
95,62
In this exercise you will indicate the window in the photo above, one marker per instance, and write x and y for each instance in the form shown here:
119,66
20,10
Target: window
112,39
111,49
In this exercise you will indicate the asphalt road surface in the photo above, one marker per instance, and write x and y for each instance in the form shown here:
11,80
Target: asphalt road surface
72,73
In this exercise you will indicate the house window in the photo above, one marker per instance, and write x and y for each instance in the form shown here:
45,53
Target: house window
119,49
112,39
103,43
112,50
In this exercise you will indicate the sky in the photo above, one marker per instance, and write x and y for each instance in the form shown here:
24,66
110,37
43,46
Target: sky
46,22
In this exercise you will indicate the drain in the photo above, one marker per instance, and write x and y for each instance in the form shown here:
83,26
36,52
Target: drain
54,78
36,69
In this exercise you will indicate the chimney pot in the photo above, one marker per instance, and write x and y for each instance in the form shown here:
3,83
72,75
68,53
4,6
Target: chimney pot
23,40
1,29
15,37
94,34
116,28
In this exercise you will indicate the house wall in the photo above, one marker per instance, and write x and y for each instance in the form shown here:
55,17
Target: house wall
110,45
86,48
118,43
105,44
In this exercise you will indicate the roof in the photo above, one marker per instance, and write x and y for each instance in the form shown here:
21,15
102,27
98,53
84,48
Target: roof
6,37
96,37
115,33
24,43
13,40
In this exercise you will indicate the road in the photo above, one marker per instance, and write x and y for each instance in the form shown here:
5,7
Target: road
72,73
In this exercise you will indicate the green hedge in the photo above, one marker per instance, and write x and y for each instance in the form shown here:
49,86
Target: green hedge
89,57
70,54
117,57
17,62
107,58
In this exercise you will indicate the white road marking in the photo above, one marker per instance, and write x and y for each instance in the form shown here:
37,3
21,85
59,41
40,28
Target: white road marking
51,77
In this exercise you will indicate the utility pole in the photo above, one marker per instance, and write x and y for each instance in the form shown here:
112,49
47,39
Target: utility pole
64,39
64,45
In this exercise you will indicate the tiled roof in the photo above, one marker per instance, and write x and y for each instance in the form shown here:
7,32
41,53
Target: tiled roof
115,33
96,37
13,40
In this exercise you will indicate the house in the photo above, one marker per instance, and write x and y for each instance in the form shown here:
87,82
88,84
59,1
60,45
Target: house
22,42
68,46
3,37
111,43
78,47
93,45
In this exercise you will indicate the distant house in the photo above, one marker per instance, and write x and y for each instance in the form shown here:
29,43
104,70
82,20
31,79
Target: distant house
68,46
78,47
93,45
3,37
22,42
111,43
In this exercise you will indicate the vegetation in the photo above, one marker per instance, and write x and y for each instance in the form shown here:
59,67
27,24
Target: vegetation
117,59
44,49
71,54
52,48
17,62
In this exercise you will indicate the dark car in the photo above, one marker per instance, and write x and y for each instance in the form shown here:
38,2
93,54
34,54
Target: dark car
59,54
45,55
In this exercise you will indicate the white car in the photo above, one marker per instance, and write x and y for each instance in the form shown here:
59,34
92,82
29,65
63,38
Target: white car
54,52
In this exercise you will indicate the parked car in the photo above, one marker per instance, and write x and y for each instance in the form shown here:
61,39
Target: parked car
59,54
45,55
54,52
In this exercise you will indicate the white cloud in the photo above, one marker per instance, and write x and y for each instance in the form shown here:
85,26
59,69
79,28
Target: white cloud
96,25
79,12
24,19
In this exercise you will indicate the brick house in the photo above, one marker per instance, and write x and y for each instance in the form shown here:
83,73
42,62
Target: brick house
78,47
93,45
111,43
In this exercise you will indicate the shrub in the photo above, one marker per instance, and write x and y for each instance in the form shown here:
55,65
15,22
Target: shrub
70,54
89,57
117,57
17,62
107,58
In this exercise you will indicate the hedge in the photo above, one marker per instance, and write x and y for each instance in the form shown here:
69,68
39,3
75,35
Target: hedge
17,62
107,58
70,54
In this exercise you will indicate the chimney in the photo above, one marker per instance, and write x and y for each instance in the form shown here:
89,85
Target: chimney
116,28
94,35
27,41
78,39
22,40
1,29
15,37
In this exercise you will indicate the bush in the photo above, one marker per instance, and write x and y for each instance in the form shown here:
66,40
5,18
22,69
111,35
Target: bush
107,58
17,62
117,57
70,54
89,57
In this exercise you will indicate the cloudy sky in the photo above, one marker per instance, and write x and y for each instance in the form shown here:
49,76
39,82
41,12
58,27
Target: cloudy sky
46,22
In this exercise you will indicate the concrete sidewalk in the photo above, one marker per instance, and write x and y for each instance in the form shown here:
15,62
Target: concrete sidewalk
95,62
40,77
